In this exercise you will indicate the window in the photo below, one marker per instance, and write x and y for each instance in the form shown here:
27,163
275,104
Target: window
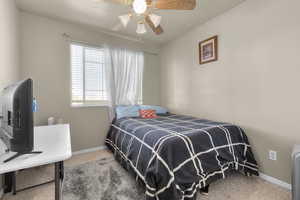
87,76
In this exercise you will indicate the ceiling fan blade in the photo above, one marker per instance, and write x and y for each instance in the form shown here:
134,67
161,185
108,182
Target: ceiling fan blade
157,30
173,4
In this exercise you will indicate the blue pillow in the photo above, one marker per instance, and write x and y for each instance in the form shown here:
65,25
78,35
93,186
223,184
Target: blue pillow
127,111
158,109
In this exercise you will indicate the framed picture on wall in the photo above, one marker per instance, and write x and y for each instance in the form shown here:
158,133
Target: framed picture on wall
208,50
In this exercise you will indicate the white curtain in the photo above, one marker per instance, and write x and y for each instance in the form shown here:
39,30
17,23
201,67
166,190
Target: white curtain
124,77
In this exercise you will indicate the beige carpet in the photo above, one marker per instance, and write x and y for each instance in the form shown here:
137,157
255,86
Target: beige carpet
236,187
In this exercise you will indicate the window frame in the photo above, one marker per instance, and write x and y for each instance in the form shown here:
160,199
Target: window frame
84,103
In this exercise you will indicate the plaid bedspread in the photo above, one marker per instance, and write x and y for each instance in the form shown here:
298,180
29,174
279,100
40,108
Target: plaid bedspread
175,155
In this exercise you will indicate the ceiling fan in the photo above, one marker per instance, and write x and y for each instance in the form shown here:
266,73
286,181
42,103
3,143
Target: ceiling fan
143,11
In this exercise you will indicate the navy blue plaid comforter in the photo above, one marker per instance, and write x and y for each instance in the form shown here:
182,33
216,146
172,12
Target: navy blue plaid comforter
175,155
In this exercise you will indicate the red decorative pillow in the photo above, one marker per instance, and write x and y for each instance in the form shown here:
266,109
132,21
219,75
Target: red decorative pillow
148,114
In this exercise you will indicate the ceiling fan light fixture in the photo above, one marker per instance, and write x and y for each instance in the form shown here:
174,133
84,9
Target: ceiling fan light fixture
156,19
141,28
139,6
125,19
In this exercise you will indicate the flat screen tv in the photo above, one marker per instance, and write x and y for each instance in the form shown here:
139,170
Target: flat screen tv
16,128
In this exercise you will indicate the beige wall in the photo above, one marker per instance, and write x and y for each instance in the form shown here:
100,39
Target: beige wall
45,58
8,42
255,83
9,55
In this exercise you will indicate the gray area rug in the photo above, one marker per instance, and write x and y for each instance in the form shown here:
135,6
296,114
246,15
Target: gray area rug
100,180
106,180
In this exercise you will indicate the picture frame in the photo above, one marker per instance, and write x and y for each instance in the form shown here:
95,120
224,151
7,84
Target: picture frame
208,50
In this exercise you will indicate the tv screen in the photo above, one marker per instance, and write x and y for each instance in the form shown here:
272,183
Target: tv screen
16,128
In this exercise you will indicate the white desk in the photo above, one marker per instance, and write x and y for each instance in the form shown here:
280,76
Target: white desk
55,144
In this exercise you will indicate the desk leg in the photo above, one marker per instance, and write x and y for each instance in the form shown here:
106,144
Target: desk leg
59,176
14,183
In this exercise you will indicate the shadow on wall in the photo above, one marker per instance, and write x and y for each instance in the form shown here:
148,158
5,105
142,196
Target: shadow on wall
89,125
262,142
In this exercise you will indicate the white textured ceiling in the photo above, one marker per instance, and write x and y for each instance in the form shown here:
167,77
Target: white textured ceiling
103,15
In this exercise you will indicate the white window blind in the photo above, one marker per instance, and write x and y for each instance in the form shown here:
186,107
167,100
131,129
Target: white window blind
87,72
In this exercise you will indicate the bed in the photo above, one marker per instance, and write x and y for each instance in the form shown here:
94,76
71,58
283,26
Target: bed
176,155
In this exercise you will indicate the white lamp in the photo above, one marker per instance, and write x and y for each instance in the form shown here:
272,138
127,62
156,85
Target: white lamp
139,6
125,19
141,28
155,19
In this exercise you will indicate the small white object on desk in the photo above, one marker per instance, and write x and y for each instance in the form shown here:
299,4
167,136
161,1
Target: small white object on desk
55,144
51,121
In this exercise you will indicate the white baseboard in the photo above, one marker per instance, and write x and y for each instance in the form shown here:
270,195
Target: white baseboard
275,181
89,150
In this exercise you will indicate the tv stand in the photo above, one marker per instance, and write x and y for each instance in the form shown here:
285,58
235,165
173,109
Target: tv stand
20,154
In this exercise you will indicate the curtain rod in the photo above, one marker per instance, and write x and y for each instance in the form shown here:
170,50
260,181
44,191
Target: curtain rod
71,39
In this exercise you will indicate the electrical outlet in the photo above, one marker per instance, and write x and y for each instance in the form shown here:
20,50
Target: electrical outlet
272,155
